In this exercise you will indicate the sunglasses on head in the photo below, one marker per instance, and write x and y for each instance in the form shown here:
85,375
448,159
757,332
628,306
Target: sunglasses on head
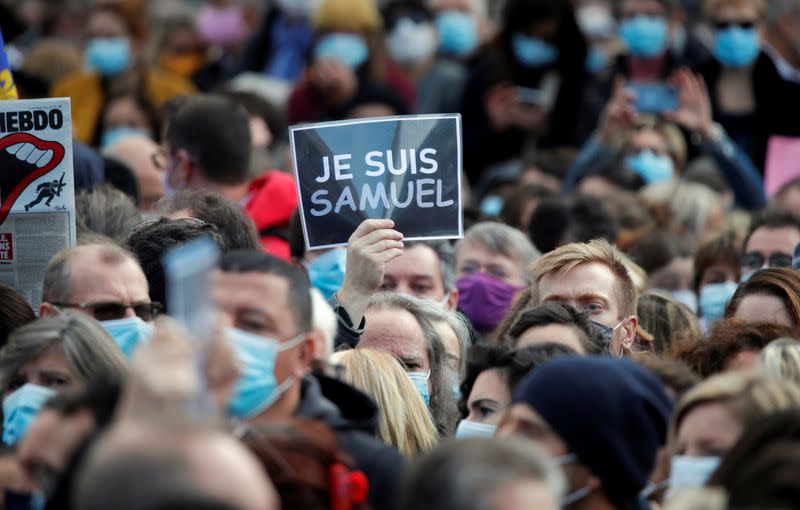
110,310
756,260
187,221
723,25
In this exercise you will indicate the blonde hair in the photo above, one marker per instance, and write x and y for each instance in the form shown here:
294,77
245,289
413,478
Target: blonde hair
405,421
690,204
566,258
670,133
781,359
343,15
750,396
704,498
712,6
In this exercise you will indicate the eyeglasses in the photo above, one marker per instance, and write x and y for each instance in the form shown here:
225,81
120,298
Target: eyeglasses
756,260
110,310
160,159
187,220
723,25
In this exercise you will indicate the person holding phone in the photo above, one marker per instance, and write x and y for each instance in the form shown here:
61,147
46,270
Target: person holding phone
656,150
645,64
526,84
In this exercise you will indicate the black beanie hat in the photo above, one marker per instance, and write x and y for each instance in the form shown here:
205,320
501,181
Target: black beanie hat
611,413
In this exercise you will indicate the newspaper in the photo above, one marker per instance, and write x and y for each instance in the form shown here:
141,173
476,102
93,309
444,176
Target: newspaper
37,194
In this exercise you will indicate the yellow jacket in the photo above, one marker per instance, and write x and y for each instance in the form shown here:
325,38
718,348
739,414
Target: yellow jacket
88,99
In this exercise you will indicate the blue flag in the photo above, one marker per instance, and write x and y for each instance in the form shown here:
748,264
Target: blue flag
8,90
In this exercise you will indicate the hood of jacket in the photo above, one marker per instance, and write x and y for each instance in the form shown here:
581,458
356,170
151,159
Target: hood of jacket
273,199
337,404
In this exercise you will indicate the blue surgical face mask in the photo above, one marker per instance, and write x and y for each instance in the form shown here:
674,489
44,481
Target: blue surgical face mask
20,409
468,428
687,297
108,56
169,190
532,51
420,380
458,33
456,392
115,134
645,36
596,60
650,166
736,46
129,333
714,298
326,272
257,388
349,49
690,472
491,205
745,277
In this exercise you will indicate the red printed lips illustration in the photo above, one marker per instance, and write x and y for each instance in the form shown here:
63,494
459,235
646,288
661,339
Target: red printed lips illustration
23,159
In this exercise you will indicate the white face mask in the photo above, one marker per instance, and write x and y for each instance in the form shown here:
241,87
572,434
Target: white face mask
595,21
577,495
298,8
411,42
468,428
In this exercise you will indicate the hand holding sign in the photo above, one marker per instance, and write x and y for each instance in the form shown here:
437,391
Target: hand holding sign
373,245
407,169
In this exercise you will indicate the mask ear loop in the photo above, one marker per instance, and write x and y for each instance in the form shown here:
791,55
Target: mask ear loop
621,347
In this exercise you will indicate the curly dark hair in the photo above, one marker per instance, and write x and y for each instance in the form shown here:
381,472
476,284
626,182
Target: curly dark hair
149,244
729,337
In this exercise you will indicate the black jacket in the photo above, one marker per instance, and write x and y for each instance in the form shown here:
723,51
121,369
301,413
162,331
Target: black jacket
354,419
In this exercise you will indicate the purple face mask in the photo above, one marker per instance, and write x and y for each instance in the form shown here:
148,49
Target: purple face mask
485,299
221,25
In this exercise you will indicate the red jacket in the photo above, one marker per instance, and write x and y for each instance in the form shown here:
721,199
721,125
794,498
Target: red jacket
273,199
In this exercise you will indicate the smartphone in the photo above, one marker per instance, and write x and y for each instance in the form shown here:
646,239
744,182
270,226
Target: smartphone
654,98
187,270
530,96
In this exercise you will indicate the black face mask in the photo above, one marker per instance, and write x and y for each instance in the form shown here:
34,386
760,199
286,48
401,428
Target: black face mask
607,333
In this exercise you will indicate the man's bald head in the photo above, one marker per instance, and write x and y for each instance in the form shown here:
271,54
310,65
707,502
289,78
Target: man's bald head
142,466
137,153
93,273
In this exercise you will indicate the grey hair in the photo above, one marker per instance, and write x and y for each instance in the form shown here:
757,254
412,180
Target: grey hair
465,474
460,326
781,359
443,405
108,211
57,286
502,239
87,347
690,203
447,260
777,8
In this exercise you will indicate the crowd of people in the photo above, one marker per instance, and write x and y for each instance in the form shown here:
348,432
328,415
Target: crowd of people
618,327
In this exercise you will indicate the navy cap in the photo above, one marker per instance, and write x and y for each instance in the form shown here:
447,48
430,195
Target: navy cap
611,413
